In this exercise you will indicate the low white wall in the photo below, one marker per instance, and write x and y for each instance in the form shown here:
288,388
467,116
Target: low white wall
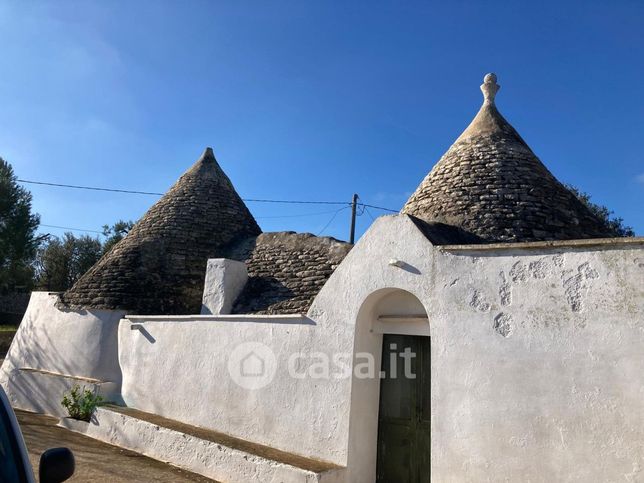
59,344
178,368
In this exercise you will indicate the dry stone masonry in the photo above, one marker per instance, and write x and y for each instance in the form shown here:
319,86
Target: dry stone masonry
286,270
160,266
491,184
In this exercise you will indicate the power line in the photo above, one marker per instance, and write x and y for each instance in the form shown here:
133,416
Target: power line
353,205
153,193
72,229
331,220
89,187
335,213
379,208
296,216
113,190
299,202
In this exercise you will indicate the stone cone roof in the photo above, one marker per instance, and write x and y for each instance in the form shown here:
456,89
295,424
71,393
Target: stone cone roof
491,184
159,267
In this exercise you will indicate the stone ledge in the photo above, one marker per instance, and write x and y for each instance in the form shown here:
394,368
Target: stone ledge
41,391
588,242
201,451
272,318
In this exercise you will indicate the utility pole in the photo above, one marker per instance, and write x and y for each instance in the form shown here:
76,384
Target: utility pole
354,203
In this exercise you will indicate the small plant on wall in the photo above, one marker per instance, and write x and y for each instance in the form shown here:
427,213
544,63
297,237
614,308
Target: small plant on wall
81,403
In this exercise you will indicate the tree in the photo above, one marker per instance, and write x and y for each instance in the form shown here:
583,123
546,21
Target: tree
61,262
115,233
614,225
18,240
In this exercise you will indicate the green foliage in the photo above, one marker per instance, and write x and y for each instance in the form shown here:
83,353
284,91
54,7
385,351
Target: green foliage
18,240
614,225
49,262
61,262
115,233
81,403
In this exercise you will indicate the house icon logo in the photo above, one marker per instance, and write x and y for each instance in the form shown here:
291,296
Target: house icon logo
252,365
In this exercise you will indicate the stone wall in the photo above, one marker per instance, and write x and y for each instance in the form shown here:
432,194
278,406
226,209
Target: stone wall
536,358
159,267
286,270
491,184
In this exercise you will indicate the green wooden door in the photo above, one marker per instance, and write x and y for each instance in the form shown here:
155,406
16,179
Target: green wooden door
404,417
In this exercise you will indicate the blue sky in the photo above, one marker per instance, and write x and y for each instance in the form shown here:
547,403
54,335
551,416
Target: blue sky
311,100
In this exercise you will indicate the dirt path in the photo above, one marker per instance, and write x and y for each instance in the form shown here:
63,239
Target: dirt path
96,461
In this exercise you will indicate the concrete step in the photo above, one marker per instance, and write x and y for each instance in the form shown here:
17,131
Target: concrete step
41,391
214,455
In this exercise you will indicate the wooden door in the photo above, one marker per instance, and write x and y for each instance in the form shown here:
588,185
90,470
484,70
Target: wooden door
404,417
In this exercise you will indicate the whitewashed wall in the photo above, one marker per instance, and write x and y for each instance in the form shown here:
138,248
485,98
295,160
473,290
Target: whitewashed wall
54,349
537,354
536,361
178,368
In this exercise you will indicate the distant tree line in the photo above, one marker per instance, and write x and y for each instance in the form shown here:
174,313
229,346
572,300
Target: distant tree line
59,262
29,260
613,224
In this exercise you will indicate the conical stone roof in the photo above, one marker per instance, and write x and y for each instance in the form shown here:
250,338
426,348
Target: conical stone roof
159,267
491,184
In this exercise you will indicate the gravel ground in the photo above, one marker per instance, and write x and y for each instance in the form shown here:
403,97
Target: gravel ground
96,461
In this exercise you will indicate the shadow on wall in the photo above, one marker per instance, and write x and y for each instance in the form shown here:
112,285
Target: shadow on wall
144,332
54,348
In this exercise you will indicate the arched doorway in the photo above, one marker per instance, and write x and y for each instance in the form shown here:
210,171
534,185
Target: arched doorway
395,428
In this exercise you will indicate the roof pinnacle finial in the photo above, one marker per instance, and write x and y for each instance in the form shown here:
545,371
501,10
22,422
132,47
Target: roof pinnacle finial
489,88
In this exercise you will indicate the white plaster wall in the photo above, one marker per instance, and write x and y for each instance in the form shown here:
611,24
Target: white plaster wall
225,279
537,355
354,297
537,361
82,344
178,368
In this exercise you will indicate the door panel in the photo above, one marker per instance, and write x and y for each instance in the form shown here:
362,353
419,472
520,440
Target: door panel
395,448
404,417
